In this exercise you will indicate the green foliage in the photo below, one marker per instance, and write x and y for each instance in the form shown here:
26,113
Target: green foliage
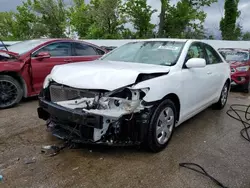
7,25
228,27
139,13
186,19
106,18
53,14
79,17
34,19
164,5
246,36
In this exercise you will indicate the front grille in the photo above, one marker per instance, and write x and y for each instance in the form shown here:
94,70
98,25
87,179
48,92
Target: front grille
62,93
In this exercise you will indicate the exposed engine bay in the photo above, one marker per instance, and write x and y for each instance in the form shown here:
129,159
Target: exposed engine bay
4,58
109,117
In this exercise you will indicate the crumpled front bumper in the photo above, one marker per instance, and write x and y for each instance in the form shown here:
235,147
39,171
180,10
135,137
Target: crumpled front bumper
83,127
48,109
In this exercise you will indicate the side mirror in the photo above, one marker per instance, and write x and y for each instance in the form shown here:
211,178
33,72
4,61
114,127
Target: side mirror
42,55
196,63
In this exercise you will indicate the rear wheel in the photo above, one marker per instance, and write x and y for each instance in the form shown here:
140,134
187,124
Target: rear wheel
161,126
223,97
11,92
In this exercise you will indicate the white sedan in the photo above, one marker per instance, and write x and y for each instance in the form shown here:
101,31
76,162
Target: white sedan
137,93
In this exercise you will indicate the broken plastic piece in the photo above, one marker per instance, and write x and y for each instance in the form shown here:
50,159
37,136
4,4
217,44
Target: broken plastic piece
51,150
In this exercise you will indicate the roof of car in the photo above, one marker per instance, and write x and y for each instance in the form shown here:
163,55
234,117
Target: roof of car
164,39
240,49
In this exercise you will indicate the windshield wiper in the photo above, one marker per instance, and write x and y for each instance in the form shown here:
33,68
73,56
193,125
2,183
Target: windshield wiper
4,45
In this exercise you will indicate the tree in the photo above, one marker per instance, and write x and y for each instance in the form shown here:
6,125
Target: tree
108,18
139,14
101,19
164,6
27,23
80,19
7,25
186,19
20,25
246,36
228,27
53,15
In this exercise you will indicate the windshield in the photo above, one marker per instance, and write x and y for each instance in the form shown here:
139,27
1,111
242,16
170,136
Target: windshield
147,52
234,55
25,46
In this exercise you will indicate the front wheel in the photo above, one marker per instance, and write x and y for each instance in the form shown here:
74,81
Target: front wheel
161,126
223,97
11,92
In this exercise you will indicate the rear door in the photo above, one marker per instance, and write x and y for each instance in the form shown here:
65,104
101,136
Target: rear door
216,70
85,52
61,53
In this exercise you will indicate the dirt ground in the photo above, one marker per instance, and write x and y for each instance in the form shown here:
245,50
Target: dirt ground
211,139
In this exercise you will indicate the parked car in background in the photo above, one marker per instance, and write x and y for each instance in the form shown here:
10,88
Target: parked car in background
24,66
135,94
239,60
109,48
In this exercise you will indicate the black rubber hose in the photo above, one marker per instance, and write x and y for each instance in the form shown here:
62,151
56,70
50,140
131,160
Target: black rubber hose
244,133
201,171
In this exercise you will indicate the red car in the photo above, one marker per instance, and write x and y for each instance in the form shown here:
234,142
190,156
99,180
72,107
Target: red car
239,60
24,65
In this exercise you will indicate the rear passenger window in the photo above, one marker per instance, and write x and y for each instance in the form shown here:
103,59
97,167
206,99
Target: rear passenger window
84,50
212,56
100,52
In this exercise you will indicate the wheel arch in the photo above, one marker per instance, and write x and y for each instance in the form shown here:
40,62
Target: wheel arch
20,80
174,97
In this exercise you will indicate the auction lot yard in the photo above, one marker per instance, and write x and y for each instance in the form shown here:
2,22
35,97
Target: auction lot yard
211,139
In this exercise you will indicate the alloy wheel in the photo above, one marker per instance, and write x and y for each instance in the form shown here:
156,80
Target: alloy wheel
8,93
165,125
224,94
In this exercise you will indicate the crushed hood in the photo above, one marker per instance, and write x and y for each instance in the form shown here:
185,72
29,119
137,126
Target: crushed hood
7,53
100,74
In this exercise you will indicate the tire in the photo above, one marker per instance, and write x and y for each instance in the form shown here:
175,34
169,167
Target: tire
9,85
155,142
246,87
223,97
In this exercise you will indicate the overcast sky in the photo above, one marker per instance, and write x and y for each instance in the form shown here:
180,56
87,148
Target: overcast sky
214,12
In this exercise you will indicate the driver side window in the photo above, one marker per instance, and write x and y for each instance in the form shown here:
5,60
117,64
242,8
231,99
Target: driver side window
57,49
195,51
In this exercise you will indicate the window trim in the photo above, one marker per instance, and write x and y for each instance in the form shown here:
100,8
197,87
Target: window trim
207,59
32,57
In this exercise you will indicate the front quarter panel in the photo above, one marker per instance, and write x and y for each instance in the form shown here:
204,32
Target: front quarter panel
161,86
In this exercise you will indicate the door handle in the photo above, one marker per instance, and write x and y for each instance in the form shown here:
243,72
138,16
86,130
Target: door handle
209,72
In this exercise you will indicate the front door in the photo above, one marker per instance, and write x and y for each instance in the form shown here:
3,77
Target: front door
195,83
61,53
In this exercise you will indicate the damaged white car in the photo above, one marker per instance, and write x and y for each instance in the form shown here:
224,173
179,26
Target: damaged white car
137,93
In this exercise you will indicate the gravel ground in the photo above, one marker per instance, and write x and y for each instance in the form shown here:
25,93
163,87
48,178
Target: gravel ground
211,139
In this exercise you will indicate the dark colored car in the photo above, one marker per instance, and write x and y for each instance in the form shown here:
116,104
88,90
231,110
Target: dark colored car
109,48
239,60
24,66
